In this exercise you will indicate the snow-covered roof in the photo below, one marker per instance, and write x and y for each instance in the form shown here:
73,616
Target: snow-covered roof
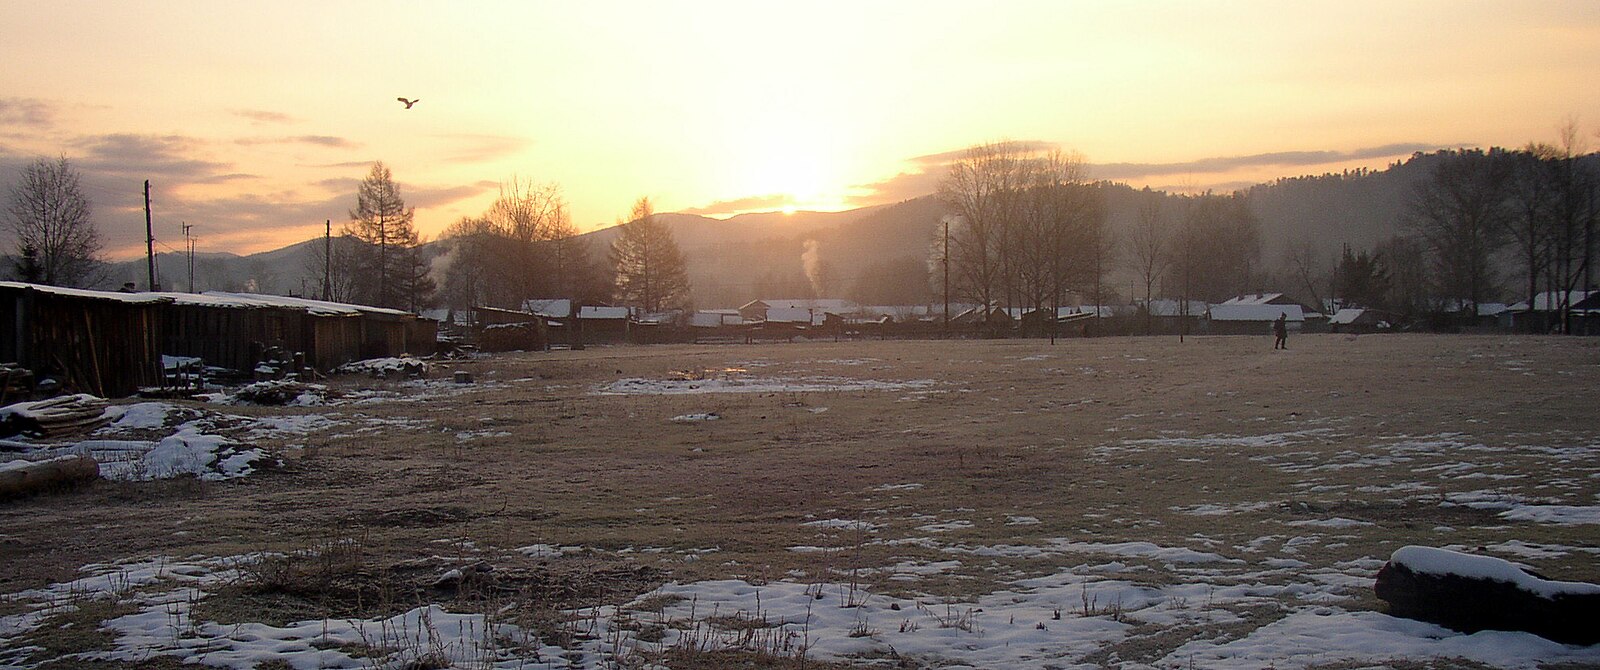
821,304
1346,316
1550,300
316,307
795,315
130,298
1173,307
553,308
1226,312
715,317
602,312
1253,299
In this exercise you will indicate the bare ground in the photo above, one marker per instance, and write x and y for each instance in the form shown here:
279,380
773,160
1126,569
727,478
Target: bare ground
1217,444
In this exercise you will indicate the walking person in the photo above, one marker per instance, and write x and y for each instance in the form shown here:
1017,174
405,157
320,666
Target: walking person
1280,330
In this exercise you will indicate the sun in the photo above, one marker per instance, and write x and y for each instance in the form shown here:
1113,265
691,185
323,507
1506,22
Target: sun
789,209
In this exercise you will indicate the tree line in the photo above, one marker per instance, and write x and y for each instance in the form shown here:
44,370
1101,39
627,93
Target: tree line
523,247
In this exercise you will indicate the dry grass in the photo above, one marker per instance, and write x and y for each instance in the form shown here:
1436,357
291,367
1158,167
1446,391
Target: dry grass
1010,429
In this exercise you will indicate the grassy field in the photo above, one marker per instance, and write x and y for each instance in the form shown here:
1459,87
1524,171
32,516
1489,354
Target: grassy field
1213,487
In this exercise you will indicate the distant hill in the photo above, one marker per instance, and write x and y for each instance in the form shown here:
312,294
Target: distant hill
875,254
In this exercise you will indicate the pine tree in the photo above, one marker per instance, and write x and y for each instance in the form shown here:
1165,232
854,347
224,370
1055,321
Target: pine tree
650,270
383,224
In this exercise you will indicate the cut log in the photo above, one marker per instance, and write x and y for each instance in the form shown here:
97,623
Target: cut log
1470,593
21,478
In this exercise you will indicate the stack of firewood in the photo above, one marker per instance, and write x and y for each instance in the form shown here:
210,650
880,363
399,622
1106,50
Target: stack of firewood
15,382
64,415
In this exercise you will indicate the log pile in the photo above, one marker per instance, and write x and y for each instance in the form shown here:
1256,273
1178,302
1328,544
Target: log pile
55,417
20,478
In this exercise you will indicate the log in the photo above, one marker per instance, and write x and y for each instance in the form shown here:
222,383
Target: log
21,478
1469,593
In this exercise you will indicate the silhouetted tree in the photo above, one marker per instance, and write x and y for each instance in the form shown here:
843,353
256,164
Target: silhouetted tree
1360,279
51,219
383,224
650,272
1218,247
1460,212
1148,245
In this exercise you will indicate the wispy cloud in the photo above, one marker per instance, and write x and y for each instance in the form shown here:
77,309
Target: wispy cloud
318,140
932,167
261,116
1275,159
757,202
29,112
466,148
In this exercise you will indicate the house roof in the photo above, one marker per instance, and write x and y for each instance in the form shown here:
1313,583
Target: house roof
821,304
1256,299
795,315
1550,300
315,307
114,296
1236,312
712,318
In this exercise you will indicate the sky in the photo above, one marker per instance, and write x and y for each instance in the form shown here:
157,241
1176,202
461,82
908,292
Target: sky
254,122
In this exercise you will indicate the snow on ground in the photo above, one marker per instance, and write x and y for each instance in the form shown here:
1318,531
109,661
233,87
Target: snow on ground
1052,621
743,384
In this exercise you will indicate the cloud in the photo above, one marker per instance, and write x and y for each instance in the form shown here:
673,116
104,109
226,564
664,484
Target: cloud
261,116
319,140
345,165
1216,164
947,157
425,197
903,186
29,112
147,156
467,148
755,202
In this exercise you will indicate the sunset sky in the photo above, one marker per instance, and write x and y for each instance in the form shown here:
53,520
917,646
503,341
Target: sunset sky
256,121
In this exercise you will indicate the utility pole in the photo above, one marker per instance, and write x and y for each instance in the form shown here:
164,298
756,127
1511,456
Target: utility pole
327,261
189,246
149,241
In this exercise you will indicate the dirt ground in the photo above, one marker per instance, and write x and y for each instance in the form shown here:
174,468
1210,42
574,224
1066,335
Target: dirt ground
1216,444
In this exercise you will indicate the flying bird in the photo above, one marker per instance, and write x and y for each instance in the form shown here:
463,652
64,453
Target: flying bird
409,103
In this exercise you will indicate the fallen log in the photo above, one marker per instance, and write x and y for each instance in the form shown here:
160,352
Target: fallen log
21,478
1469,593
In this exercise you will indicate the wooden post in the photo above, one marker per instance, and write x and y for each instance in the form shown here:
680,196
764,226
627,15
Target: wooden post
149,241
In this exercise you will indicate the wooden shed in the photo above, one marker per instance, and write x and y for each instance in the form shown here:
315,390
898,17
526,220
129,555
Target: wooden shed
99,342
332,334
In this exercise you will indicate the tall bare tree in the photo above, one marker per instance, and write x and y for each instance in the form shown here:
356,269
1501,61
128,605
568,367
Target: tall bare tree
650,271
1148,245
51,219
1217,250
1460,212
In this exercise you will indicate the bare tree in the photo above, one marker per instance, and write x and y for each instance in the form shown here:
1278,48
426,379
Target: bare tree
1217,248
1309,270
650,271
1574,210
1460,211
51,219
980,190
1148,245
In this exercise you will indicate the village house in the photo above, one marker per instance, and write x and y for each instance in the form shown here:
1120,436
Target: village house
1544,315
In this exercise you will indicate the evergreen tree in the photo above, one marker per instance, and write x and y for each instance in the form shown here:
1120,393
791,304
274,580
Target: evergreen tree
382,224
650,271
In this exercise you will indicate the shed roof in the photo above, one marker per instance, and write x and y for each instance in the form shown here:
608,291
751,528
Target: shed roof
115,296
